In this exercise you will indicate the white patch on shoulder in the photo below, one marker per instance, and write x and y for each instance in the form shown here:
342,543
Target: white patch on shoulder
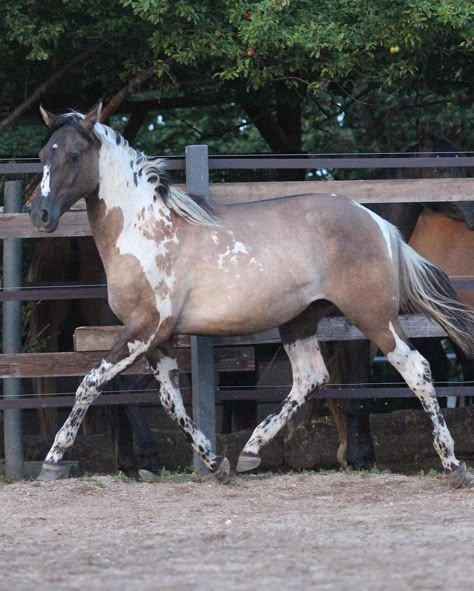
55,146
382,224
123,187
45,181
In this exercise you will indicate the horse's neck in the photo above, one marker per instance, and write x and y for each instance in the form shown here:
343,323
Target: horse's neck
119,180
103,230
124,186
118,220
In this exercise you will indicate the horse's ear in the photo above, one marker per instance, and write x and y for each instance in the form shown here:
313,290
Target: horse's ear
93,116
48,118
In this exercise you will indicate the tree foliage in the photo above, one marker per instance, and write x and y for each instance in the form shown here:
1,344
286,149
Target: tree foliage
314,43
362,70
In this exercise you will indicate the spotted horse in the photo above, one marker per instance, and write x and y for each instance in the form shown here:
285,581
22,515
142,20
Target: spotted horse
175,266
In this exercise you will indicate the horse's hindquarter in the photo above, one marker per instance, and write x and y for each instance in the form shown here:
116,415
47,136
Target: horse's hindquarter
269,261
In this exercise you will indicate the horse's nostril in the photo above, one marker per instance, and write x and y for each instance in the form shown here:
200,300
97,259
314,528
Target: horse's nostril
44,216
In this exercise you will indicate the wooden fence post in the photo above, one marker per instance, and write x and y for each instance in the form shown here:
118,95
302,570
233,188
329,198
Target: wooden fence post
202,350
13,428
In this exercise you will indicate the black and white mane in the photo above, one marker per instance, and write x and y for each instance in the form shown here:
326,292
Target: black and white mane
192,208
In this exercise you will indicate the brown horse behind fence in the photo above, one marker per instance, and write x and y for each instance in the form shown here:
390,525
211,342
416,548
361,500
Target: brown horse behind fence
448,244
175,266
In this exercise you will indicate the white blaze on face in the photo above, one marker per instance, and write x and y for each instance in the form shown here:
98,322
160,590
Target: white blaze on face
382,224
45,181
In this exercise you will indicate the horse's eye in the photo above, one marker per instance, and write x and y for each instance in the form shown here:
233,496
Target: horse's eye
74,157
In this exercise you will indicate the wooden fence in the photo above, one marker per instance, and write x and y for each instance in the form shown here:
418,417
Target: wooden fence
230,353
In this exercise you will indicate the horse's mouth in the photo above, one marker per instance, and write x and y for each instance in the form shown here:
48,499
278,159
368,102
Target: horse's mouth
50,228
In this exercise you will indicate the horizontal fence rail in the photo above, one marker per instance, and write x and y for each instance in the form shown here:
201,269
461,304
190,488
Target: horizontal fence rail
34,365
261,394
334,328
76,224
289,162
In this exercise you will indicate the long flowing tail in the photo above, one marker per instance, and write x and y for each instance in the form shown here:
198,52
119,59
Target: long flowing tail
426,289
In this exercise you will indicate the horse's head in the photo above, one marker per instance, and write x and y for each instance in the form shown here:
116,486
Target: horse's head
70,166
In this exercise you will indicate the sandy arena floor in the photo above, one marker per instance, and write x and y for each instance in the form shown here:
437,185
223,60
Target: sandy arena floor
309,531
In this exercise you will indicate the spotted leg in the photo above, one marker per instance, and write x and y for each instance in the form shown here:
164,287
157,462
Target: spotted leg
123,354
415,370
309,372
165,369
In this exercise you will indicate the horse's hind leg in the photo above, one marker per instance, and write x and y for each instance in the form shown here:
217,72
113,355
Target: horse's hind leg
339,416
123,354
415,370
309,372
165,369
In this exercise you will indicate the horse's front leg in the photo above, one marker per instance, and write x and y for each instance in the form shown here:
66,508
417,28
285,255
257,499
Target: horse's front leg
126,350
165,369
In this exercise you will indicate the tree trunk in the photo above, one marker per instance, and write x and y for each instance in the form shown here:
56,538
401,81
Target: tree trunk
281,129
130,88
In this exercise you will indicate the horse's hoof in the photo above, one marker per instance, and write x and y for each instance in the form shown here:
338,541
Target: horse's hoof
222,472
248,461
461,478
51,472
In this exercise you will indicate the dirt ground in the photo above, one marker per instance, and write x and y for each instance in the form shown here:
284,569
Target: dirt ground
298,531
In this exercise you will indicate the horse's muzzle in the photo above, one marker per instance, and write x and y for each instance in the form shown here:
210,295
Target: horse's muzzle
44,216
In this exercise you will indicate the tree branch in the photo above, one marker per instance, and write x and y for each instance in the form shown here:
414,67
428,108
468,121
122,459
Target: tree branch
266,124
46,85
129,89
